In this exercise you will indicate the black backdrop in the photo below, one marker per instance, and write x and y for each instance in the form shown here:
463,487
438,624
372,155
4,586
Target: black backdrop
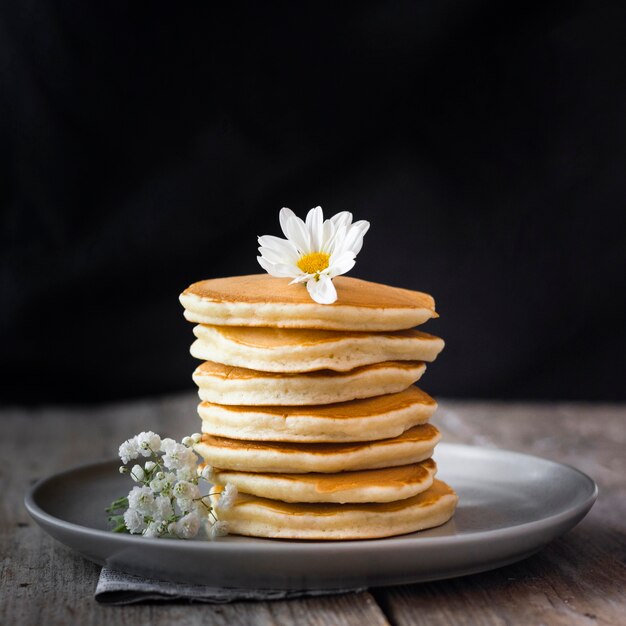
144,146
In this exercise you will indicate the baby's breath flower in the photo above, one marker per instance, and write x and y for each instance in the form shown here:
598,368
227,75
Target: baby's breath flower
185,489
185,505
142,499
134,521
137,473
207,473
167,444
227,497
218,529
129,450
186,473
163,482
187,526
167,501
163,509
154,529
170,481
179,457
148,442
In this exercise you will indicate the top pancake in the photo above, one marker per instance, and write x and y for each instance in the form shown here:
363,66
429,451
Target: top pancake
264,300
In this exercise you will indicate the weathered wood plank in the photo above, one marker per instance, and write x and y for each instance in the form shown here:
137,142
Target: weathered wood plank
42,582
578,579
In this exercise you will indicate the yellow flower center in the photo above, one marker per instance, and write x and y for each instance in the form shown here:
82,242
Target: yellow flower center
314,262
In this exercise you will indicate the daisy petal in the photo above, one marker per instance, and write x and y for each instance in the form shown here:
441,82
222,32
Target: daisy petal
322,291
280,271
343,218
335,245
314,224
274,256
354,236
278,244
288,270
341,264
266,265
296,231
328,230
301,279
363,225
284,215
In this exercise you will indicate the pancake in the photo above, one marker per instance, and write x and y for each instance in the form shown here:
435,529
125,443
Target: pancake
224,384
377,485
264,300
380,417
261,517
412,446
307,350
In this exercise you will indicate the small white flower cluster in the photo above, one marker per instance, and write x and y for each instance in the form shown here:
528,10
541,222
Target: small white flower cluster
167,501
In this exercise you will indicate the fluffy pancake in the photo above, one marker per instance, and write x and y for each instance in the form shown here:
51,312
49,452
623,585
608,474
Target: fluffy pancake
377,485
412,446
264,300
224,384
261,517
307,350
368,419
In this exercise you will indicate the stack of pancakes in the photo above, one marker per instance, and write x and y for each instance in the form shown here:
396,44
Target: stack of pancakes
310,410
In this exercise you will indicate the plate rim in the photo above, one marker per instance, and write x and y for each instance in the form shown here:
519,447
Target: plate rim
264,545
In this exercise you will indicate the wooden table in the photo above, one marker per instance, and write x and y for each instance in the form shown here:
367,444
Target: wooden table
578,579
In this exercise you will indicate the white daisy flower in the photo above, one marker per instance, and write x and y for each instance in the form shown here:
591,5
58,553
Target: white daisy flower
315,251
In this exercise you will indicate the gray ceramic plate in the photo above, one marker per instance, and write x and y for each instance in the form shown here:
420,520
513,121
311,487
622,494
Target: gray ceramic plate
510,506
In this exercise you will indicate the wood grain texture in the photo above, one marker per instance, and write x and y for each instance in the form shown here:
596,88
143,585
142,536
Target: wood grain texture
578,579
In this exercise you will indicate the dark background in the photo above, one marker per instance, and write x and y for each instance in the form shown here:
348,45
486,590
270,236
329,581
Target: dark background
144,147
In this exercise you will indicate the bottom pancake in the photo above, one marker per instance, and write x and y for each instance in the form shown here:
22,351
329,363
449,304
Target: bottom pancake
260,517
377,485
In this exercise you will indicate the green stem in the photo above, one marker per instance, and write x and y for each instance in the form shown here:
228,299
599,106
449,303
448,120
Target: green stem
116,505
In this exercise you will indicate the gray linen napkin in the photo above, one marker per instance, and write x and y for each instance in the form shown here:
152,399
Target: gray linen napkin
118,588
